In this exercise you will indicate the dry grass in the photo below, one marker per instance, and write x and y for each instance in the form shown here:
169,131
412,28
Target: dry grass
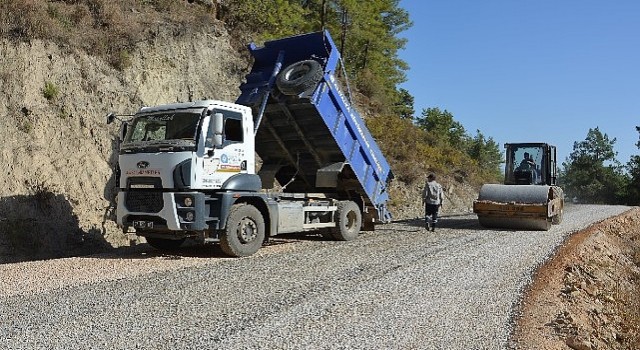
105,28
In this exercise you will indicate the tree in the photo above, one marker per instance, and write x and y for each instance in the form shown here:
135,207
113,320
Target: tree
365,32
487,153
592,172
404,107
443,127
633,166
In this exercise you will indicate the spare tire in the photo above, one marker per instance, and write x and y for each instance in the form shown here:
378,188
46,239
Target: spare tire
299,77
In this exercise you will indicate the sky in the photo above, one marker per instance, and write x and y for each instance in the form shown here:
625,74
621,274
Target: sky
529,71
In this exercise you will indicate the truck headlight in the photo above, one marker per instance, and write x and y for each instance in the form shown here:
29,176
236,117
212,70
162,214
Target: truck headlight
188,201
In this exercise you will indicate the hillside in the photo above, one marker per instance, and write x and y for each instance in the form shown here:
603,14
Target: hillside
58,188
58,153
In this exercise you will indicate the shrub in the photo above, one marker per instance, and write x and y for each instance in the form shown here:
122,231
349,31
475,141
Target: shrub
50,90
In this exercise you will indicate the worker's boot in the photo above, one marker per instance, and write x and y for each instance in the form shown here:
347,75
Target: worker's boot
433,226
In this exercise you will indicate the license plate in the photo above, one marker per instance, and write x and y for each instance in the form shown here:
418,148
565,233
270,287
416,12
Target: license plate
142,224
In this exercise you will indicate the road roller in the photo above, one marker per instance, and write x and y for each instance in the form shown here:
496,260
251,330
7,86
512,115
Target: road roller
529,199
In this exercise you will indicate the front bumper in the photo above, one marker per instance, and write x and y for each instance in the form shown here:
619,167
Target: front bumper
161,211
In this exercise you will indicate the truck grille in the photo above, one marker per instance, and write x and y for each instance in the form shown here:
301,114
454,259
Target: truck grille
144,201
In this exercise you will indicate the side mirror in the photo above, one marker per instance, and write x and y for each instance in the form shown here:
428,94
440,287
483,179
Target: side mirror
111,117
218,129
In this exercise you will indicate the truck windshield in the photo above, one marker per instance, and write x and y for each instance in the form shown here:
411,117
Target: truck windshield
171,126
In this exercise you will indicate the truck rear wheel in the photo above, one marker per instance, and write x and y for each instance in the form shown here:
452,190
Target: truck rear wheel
164,244
244,232
299,77
348,221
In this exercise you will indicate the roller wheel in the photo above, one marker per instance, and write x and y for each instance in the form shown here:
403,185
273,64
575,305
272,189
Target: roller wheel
557,219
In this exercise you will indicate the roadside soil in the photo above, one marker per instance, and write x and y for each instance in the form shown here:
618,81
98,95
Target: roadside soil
586,296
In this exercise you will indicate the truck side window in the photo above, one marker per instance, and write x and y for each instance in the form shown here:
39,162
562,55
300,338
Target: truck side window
232,128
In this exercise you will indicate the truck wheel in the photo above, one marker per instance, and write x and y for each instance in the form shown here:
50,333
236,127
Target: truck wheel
164,244
244,233
299,77
348,221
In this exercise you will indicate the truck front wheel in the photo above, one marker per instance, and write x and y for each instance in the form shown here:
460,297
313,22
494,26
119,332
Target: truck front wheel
348,221
244,233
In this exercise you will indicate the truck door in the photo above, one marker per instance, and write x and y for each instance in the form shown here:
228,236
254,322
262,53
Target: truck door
228,156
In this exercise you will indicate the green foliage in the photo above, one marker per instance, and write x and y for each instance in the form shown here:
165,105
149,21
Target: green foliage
412,152
364,31
404,105
633,186
124,60
405,147
268,19
482,156
445,129
592,173
486,152
50,90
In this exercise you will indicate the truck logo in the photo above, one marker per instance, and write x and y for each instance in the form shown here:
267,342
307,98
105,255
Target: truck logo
142,164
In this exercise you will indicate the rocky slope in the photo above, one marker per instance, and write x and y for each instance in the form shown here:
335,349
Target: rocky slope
57,152
586,296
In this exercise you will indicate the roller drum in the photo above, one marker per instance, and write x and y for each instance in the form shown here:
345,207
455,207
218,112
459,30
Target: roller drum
514,193
521,207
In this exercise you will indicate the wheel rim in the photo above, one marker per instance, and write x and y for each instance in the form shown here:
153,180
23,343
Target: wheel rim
247,230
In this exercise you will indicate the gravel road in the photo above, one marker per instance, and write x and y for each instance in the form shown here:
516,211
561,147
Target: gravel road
399,287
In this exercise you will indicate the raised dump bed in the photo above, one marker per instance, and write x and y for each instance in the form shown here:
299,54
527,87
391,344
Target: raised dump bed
308,135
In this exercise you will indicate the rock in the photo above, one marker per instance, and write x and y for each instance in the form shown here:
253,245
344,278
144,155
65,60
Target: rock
578,344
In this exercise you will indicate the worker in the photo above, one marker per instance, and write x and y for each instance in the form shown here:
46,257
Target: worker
432,197
527,162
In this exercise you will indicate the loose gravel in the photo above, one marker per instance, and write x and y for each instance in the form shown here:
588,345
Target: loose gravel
399,287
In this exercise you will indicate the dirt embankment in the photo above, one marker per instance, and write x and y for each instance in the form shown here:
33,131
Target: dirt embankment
57,154
586,297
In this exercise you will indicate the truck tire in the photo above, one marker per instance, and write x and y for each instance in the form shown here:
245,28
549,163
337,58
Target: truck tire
164,244
348,221
244,232
299,77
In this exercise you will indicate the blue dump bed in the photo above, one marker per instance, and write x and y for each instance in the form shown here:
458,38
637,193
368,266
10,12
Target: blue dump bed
313,141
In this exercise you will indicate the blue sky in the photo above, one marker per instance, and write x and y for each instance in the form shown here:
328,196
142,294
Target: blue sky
529,71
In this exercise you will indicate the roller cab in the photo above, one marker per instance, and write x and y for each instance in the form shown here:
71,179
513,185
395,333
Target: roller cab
529,199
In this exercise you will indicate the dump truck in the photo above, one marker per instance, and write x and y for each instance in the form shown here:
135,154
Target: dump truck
291,154
529,199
